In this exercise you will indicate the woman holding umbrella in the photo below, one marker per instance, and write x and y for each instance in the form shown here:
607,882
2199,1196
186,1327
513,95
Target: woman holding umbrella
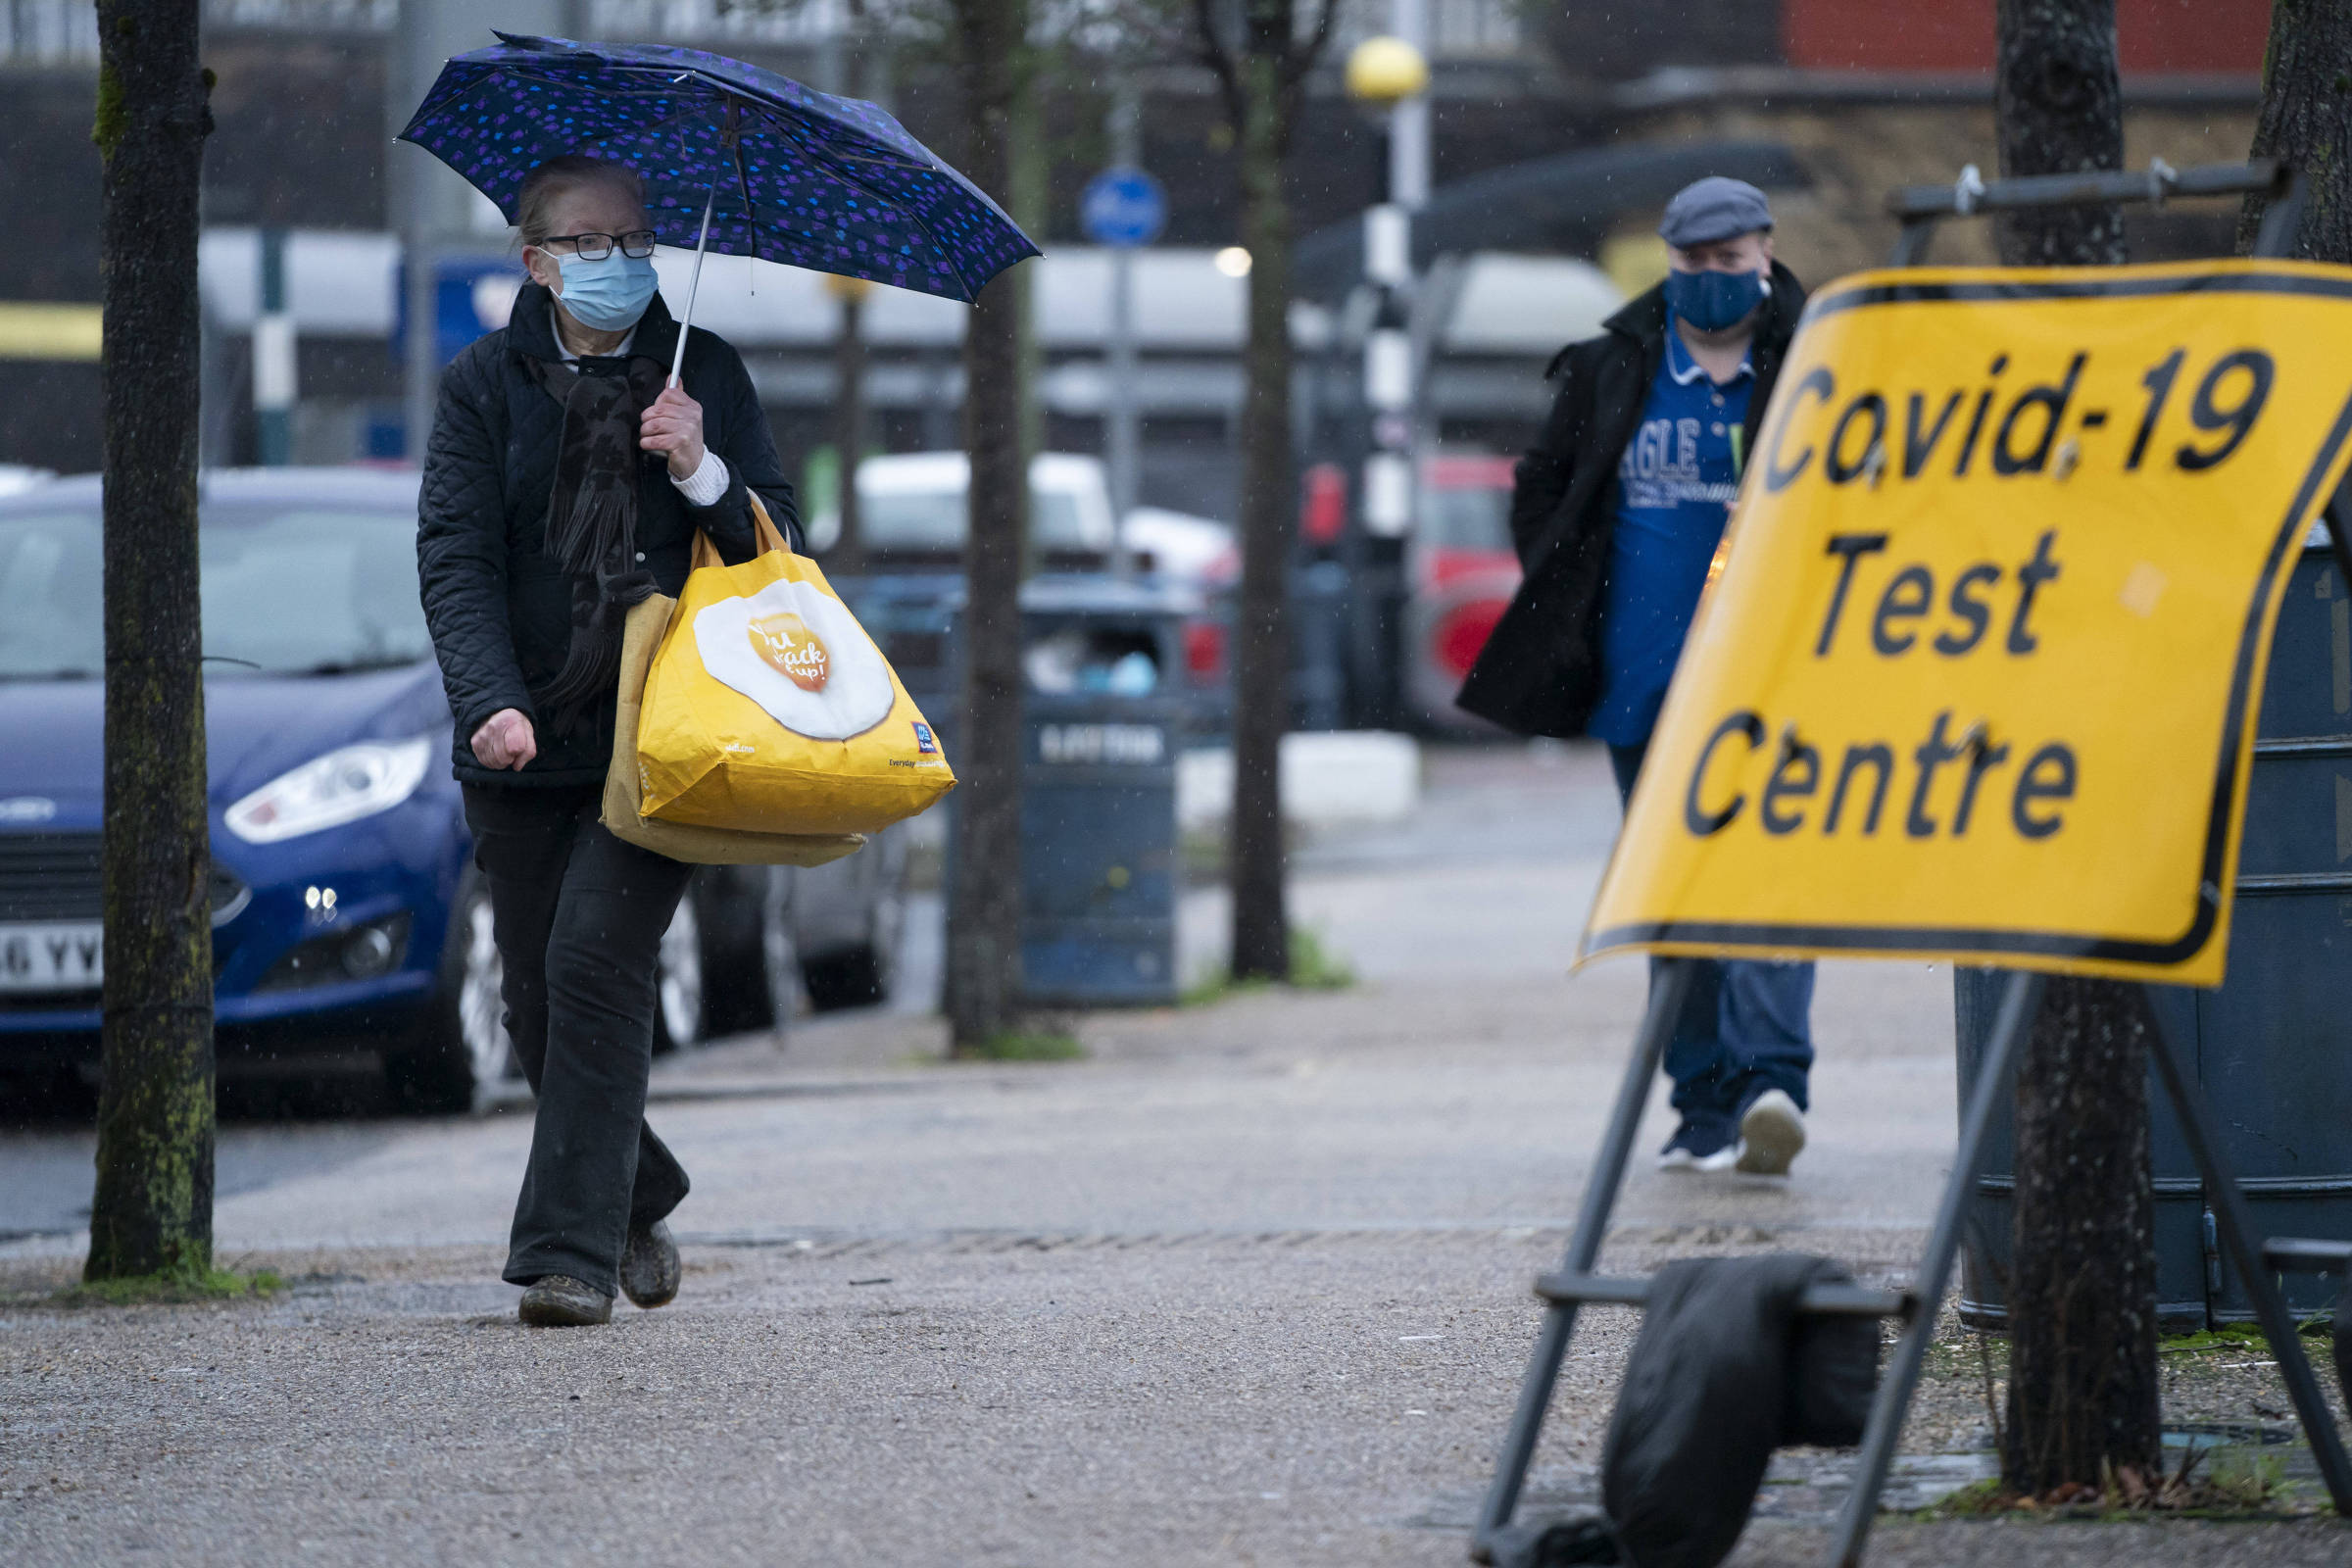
565,482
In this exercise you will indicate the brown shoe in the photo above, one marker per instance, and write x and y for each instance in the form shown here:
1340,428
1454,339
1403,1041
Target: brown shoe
649,1265
560,1301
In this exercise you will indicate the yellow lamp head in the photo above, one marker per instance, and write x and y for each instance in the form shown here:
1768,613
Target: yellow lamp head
1386,71
848,290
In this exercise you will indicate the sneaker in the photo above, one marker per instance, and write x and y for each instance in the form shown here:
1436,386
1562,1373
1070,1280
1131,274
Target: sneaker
649,1265
1771,1133
1699,1147
560,1301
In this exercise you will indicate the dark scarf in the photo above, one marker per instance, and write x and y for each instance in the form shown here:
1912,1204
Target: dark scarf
592,520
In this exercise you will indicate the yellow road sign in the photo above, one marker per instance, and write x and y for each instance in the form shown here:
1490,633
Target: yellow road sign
1977,671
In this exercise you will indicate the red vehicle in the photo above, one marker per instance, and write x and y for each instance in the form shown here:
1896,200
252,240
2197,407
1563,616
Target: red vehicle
1460,572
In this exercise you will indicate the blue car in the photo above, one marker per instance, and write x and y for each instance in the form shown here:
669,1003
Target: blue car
348,919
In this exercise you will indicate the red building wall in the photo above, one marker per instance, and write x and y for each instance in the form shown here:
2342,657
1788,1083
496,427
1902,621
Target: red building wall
2155,37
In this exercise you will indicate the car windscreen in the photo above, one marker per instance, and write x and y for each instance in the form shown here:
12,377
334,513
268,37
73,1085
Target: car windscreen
287,588
1466,518
929,520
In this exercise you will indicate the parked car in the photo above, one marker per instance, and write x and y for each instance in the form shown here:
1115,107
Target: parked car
347,916
1460,572
1198,550
914,520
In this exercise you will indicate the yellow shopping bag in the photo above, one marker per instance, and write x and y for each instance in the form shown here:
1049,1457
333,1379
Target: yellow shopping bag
768,709
648,624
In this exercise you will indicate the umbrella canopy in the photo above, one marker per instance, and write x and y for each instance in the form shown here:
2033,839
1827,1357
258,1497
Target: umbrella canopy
785,173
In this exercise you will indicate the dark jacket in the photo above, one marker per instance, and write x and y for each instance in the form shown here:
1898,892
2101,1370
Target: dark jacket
1539,673
499,606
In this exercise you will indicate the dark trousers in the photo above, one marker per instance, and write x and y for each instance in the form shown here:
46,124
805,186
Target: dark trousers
580,917
1744,1025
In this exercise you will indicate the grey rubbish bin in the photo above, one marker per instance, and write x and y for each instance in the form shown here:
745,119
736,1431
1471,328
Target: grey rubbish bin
1105,719
1105,710
2273,1047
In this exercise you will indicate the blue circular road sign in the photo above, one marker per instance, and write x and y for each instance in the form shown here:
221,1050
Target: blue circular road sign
1123,206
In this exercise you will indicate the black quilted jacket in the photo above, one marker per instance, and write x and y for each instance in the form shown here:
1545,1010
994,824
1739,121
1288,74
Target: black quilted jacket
498,608
1539,672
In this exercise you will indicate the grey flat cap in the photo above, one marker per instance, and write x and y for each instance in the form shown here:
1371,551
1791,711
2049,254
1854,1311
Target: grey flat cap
1712,209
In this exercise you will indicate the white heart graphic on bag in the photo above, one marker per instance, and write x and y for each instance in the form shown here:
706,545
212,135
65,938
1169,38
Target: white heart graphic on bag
800,656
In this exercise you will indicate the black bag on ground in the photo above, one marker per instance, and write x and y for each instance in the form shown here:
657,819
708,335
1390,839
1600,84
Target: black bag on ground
1725,1371
1584,1538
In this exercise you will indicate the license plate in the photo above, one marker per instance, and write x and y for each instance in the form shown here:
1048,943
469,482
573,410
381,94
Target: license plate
52,958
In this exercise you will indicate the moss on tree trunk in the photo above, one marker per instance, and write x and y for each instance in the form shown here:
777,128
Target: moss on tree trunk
152,1211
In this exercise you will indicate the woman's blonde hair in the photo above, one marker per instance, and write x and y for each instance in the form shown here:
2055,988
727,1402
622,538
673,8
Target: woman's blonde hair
542,187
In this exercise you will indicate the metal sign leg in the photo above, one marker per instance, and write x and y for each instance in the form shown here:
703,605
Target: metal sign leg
1666,993
2021,1001
2235,1222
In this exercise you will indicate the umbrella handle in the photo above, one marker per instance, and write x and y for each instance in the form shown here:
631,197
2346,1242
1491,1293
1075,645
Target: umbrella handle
695,286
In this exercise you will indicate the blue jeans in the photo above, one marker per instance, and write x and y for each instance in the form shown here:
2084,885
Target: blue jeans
1744,1026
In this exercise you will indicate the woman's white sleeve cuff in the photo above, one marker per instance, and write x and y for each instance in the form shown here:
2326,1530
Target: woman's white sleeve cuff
707,483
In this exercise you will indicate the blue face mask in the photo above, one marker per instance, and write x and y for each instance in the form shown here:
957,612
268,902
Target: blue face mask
1711,301
608,295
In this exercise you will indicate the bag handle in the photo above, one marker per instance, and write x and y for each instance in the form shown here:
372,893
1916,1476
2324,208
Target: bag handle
763,530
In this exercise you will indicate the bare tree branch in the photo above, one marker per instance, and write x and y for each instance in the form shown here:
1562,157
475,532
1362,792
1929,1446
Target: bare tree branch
1218,58
1151,37
1298,60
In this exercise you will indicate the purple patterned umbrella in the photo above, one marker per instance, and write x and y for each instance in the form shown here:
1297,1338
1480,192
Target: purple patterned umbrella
735,159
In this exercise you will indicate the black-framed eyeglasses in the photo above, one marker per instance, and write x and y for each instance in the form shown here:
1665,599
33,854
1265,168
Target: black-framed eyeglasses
638,243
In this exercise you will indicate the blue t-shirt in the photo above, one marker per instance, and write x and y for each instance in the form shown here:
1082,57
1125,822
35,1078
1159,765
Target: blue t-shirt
1675,486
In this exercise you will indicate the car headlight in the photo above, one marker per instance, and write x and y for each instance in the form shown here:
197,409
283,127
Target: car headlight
343,786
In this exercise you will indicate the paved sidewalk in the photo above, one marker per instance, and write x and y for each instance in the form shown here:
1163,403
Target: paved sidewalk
984,1399
1248,1287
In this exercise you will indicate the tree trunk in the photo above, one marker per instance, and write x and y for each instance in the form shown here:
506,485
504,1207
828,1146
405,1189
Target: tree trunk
2307,120
1261,695
984,951
2060,111
152,1211
2083,1387
2083,1383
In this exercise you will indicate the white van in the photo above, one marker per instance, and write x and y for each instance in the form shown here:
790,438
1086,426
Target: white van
914,504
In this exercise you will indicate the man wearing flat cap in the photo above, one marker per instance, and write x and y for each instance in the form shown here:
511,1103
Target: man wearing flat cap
1616,515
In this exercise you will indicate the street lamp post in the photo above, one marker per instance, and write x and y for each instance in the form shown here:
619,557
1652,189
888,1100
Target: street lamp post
1124,209
1121,443
1390,74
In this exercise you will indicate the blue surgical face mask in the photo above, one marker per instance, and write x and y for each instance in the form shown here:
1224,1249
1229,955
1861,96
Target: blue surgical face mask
1711,301
608,295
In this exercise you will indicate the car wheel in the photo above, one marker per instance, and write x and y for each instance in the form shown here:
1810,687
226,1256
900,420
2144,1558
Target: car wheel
863,976
781,954
888,932
463,1057
678,982
732,910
